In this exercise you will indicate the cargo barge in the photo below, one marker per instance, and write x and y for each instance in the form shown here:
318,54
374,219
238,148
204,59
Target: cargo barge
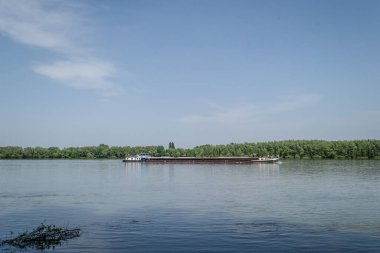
146,158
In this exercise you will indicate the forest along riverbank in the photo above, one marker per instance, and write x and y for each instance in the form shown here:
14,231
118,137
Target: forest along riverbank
292,149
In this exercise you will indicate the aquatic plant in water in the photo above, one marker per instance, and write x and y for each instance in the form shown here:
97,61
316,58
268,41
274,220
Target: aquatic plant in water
43,237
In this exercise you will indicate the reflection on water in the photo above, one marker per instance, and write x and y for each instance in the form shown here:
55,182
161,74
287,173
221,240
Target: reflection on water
294,205
259,169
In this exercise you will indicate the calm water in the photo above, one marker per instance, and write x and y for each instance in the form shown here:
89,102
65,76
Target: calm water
313,206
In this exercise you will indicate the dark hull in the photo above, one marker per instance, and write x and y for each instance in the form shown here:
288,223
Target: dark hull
202,160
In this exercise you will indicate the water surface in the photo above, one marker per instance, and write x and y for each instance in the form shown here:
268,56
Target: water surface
293,206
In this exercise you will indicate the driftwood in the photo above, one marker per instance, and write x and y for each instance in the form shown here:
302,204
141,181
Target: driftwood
43,237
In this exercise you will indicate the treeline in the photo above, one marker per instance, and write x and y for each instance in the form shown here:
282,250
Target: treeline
297,149
291,149
94,152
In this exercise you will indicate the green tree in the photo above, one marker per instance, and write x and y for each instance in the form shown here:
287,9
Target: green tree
171,145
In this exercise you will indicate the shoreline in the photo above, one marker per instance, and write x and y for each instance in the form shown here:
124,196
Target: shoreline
286,150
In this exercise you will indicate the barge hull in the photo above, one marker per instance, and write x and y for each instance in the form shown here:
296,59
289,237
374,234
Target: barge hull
203,160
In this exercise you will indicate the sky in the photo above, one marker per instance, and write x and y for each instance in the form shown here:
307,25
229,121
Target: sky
131,73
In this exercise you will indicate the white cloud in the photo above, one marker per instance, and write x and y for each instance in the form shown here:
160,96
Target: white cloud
222,115
38,23
90,74
245,113
290,103
56,26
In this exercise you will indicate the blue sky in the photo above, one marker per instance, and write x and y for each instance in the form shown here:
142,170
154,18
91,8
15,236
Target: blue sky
78,73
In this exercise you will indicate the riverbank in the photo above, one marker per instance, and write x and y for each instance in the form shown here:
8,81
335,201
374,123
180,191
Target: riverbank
290,149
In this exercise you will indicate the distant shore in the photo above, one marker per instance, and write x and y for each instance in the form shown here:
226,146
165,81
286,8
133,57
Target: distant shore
290,149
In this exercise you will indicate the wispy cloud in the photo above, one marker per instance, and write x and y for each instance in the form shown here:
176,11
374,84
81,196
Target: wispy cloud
291,103
81,74
248,112
38,23
221,115
56,26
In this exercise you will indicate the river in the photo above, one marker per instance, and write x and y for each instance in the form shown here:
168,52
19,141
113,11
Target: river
298,206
